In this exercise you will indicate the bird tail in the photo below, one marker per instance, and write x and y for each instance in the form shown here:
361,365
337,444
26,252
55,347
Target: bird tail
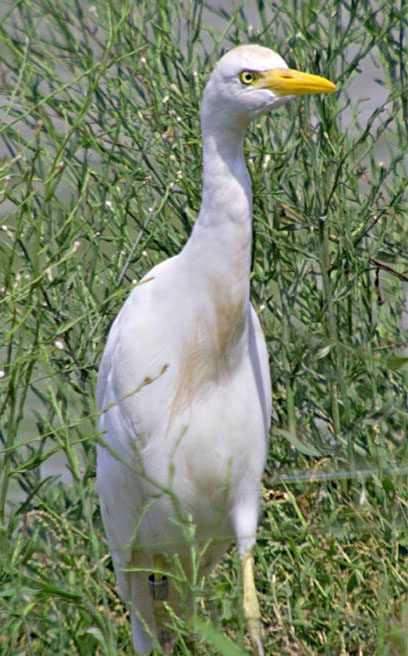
134,589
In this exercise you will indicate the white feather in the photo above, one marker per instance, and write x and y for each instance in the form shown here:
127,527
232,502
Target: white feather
184,389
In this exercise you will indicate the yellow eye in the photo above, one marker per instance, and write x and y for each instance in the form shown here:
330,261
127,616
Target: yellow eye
247,77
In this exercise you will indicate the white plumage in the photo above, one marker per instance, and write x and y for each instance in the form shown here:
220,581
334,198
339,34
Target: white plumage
184,390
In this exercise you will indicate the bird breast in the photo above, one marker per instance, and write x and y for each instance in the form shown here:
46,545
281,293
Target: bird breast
186,344
213,348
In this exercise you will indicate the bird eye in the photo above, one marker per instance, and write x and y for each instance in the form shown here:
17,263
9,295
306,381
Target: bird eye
247,77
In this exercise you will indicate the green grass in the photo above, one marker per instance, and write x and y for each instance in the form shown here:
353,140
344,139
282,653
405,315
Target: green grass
99,180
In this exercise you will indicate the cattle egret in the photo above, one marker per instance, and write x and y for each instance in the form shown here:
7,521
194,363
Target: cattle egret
184,394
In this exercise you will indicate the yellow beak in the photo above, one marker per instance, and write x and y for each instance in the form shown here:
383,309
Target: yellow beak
287,82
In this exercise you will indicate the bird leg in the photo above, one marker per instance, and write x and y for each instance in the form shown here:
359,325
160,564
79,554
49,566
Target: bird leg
252,613
159,591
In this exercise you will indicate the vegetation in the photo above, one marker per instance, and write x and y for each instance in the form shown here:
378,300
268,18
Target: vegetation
100,179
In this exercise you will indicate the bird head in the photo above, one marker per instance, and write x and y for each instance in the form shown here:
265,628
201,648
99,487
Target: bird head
251,80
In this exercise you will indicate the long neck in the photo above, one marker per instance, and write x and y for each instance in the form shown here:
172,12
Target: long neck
221,239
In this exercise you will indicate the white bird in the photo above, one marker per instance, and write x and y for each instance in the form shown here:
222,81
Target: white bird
184,394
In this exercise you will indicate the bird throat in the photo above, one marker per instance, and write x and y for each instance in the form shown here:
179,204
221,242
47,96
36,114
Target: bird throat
222,236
